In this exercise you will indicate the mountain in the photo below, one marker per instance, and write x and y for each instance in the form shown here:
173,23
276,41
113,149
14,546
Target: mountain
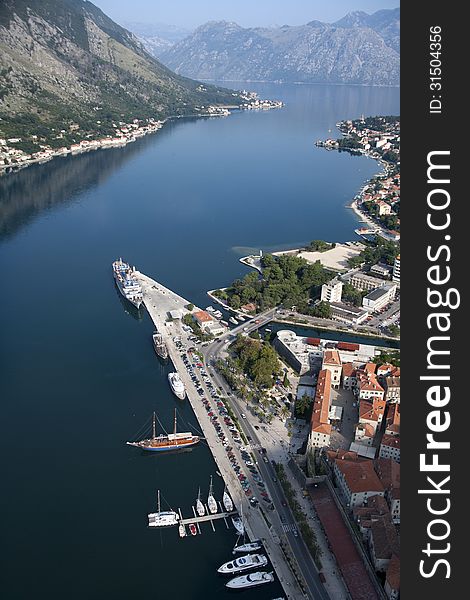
360,48
65,63
157,37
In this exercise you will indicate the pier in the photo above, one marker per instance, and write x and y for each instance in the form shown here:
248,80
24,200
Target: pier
160,302
207,518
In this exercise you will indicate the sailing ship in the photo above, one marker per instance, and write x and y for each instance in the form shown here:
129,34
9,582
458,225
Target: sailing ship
127,283
159,345
166,442
249,547
243,563
201,511
177,386
165,518
251,580
228,504
211,502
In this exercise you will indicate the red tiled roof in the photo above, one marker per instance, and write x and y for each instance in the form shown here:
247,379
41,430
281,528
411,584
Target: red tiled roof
331,358
391,441
360,476
321,403
202,316
393,573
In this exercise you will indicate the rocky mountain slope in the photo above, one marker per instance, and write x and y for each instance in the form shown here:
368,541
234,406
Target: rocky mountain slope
65,61
359,48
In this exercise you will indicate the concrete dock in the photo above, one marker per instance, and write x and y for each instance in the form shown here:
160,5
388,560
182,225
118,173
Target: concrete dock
159,301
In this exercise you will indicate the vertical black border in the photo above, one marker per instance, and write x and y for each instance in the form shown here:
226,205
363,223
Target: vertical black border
423,132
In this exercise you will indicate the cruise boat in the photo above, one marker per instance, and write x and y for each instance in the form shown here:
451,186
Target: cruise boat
243,563
165,518
250,547
177,386
251,580
127,283
211,501
201,511
159,345
238,524
166,442
228,504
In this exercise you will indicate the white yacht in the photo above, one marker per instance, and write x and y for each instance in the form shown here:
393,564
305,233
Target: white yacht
238,524
233,321
177,386
243,563
251,580
228,504
211,501
163,518
256,545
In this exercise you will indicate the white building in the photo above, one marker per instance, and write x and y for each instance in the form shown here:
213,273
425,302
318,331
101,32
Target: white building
377,299
396,270
331,291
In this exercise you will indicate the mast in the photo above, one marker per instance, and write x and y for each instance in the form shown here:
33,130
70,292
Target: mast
174,428
153,427
158,501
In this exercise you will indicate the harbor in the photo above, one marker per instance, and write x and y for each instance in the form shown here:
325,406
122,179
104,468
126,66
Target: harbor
166,309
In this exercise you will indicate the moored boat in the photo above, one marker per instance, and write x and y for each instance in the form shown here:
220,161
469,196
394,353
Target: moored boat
166,442
233,321
127,283
211,501
159,345
249,547
238,524
201,511
193,529
251,580
228,504
182,530
177,386
165,518
243,563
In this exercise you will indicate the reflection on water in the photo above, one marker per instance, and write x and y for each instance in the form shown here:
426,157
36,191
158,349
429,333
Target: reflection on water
129,308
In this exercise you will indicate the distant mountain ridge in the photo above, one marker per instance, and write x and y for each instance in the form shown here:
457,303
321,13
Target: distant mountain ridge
359,48
65,61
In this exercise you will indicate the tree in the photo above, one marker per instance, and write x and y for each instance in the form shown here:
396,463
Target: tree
235,301
302,405
351,294
322,310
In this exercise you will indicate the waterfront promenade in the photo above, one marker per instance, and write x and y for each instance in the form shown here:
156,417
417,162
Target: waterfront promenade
159,301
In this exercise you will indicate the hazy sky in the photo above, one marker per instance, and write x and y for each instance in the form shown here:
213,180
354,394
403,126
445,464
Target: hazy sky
191,13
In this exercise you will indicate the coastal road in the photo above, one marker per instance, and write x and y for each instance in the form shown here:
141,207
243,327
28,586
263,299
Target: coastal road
298,547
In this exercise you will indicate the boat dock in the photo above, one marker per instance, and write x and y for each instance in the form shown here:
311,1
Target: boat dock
166,309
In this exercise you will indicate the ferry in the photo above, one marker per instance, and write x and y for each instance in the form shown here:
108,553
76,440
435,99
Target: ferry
177,386
250,547
251,580
165,443
243,563
165,518
127,283
159,345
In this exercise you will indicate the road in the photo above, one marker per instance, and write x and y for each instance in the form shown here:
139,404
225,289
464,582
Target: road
300,551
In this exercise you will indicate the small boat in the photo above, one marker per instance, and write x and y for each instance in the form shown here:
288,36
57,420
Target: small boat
211,502
159,345
193,529
243,563
217,314
233,321
210,309
249,547
165,518
228,504
238,524
182,530
225,323
251,580
177,386
201,511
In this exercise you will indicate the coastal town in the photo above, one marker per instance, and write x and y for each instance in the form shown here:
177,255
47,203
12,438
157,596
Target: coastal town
17,152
